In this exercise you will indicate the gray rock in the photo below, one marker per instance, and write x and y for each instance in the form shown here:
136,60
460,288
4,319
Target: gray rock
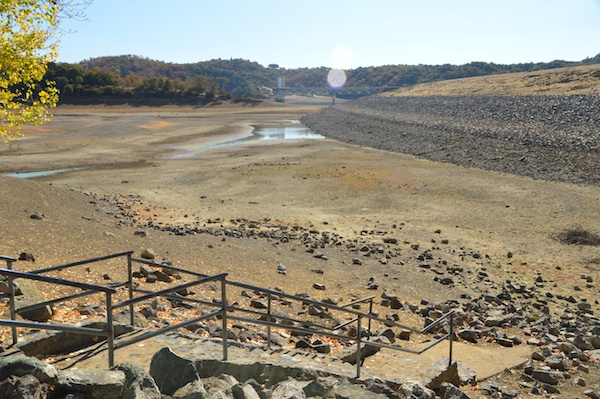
495,320
171,372
450,391
138,383
258,304
219,386
509,343
579,381
289,389
41,314
440,372
30,295
593,354
244,391
389,334
162,276
191,390
365,351
19,366
27,256
469,335
582,343
281,269
595,341
322,387
148,253
93,384
346,390
547,377
25,387
416,390
146,270
556,362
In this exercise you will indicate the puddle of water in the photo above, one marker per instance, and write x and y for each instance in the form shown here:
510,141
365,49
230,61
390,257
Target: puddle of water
258,134
39,173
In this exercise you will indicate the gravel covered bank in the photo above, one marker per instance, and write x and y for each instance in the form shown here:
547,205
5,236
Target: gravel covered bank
544,137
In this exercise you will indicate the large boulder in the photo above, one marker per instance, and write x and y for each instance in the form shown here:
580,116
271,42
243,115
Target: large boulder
30,295
19,366
93,384
441,372
171,372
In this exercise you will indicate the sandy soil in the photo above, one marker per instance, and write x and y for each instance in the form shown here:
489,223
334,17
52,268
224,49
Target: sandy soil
137,157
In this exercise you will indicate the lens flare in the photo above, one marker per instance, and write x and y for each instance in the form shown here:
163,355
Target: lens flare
336,78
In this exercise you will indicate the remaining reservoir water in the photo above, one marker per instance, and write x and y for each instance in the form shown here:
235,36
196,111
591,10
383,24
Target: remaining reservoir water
40,173
271,133
258,134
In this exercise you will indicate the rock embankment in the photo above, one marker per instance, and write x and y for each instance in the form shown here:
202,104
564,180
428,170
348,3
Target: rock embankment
544,137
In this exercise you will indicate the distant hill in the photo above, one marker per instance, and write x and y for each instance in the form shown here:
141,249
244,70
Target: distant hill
135,79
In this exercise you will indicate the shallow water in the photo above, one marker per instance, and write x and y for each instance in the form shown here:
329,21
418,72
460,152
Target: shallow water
258,134
39,173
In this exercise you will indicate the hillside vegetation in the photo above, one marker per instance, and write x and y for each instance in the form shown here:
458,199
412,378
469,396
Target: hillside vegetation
134,79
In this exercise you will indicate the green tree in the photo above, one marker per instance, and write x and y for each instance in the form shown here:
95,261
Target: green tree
28,42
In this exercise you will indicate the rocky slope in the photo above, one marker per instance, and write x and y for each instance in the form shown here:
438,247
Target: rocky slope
544,137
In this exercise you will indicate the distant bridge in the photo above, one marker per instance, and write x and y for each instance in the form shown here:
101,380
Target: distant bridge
281,92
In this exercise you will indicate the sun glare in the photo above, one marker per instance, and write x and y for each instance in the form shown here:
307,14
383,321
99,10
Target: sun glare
336,78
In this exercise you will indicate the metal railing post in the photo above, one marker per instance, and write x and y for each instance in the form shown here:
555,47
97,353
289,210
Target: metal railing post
110,338
130,285
224,316
358,355
451,337
269,320
369,325
11,293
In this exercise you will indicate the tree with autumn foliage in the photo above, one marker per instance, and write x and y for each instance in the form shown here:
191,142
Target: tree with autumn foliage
29,34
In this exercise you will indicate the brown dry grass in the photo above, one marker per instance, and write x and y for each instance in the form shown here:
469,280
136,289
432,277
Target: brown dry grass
573,80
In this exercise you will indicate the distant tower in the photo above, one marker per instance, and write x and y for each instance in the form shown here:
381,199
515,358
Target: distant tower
280,90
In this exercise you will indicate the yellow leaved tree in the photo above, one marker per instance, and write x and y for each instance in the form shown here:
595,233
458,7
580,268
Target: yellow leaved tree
28,41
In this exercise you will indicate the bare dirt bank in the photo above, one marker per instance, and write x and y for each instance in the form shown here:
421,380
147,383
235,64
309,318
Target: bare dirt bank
246,209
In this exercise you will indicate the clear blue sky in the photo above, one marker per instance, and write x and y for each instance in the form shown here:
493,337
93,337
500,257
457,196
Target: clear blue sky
337,33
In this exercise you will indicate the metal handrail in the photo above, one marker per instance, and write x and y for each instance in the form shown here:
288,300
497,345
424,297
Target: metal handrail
13,323
223,310
81,262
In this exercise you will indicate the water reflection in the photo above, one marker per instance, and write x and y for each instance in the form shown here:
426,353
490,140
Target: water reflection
272,133
260,133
